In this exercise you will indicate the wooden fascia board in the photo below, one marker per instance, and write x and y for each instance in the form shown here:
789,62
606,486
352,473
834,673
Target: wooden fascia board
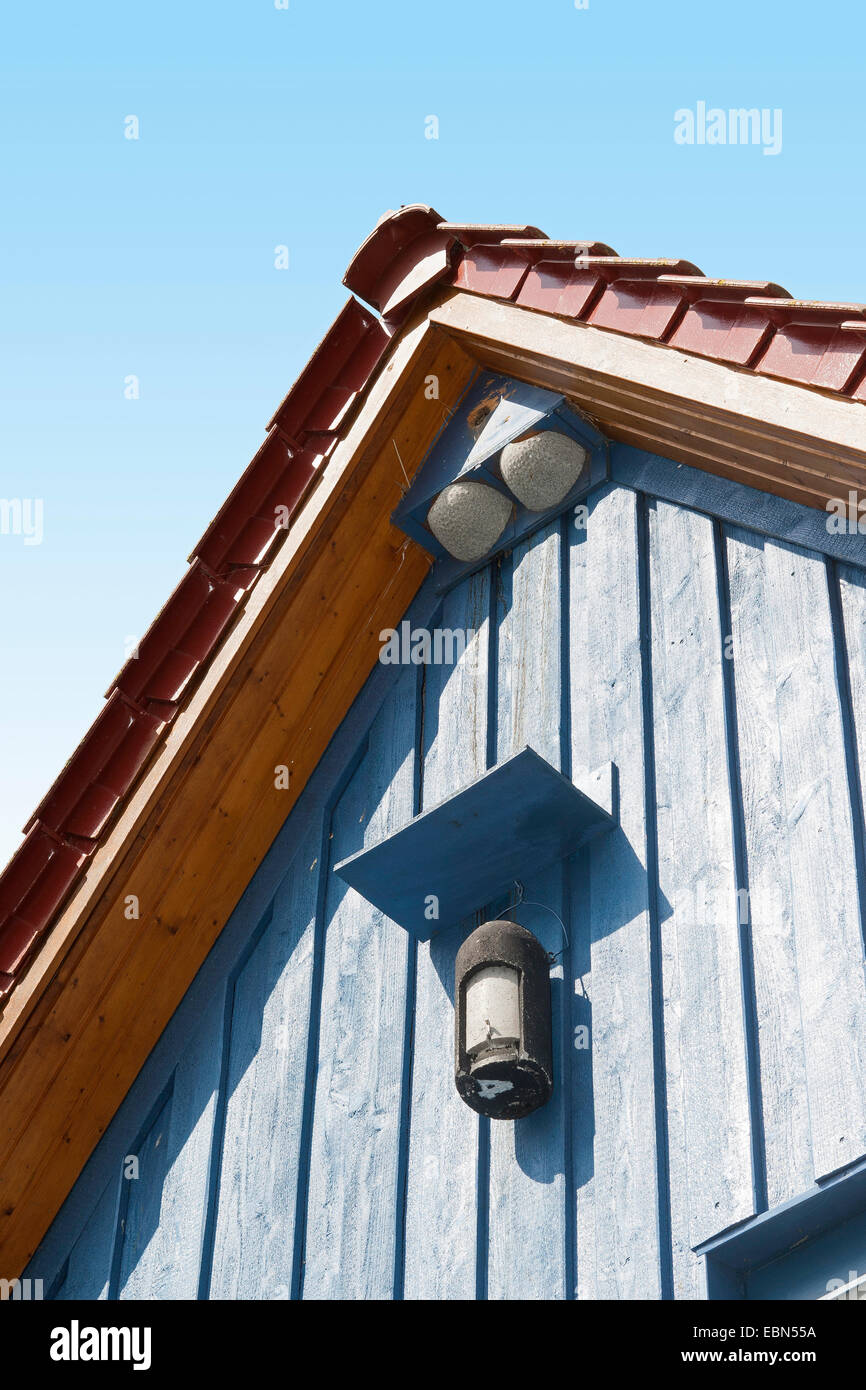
97,995
791,440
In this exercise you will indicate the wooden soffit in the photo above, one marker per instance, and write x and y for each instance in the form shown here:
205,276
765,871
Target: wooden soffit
794,441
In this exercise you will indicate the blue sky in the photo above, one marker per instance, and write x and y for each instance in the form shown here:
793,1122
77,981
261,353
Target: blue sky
262,127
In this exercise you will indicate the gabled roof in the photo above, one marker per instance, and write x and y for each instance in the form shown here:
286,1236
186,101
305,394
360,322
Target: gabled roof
171,794
753,325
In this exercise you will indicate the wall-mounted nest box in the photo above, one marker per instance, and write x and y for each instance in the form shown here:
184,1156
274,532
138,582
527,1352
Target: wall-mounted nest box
510,459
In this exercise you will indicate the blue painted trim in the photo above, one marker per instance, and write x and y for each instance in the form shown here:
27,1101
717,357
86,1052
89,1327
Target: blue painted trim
122,1201
566,1071
565,528
774,1232
314,1031
482,1162
724,1283
564,1060
408,1027
315,1021
222,1099
492,730
849,736
741,874
405,1121
666,1271
482,1211
733,502
104,1162
59,1280
520,815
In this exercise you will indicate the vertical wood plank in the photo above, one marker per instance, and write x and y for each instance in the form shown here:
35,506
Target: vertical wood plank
806,933
441,1195
168,1263
705,1054
617,1190
89,1268
140,1211
528,1157
802,867
851,652
354,1157
781,1046
264,1078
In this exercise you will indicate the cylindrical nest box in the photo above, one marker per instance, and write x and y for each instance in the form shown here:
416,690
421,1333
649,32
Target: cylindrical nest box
504,1054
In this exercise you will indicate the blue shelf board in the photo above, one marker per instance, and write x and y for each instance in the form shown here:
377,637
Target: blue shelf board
519,817
786,1252
800,1219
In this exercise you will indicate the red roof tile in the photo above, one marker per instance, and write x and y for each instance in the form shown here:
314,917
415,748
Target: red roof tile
809,344
636,299
718,323
405,253
409,253
559,279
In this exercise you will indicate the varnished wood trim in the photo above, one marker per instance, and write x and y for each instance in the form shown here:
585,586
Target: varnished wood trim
102,988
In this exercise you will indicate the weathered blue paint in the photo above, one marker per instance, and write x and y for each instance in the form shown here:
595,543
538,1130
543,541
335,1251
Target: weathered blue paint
798,1248
735,503
521,815
297,1126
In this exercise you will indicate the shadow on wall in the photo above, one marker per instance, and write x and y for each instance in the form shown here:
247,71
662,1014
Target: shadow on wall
538,1138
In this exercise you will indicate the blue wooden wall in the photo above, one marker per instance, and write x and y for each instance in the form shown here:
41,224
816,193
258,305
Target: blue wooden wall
297,1129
